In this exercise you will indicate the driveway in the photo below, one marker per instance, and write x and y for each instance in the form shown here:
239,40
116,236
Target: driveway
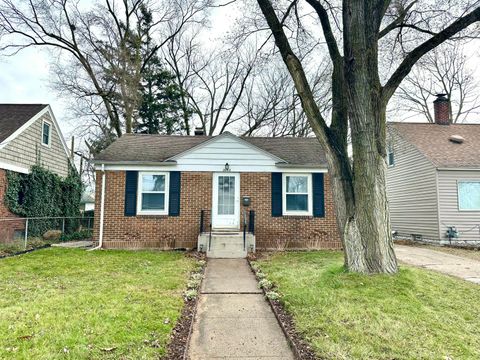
458,266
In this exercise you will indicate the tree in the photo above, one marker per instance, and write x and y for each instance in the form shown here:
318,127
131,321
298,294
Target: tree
93,44
161,110
444,70
359,102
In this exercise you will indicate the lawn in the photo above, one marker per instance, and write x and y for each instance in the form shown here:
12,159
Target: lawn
70,303
416,314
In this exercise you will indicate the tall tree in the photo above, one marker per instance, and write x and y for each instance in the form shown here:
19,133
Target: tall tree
93,42
359,101
442,71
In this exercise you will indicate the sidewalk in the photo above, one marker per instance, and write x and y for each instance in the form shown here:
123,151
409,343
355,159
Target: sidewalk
458,266
233,320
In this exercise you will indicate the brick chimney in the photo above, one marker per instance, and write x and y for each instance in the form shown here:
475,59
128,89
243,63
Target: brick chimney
441,108
199,131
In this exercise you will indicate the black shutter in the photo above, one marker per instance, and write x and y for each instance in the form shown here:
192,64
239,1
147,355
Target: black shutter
174,194
276,194
131,180
318,195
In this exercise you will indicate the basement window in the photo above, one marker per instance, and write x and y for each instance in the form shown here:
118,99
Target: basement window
297,194
469,195
152,196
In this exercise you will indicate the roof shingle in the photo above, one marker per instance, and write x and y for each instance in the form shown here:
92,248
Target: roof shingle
13,116
158,148
433,142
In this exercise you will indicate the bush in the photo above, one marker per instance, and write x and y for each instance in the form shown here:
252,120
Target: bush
84,234
41,193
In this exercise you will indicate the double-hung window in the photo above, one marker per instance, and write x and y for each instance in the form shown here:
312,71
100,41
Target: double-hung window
297,194
469,195
390,156
46,133
152,196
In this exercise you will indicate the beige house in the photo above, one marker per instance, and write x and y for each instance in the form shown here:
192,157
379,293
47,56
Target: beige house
29,135
433,179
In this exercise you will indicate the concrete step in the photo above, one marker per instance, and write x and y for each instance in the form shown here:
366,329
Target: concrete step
226,254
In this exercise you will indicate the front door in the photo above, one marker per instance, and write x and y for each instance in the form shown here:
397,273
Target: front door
226,201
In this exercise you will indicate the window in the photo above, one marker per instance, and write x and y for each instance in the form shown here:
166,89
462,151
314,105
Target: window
469,195
46,133
390,156
152,196
297,194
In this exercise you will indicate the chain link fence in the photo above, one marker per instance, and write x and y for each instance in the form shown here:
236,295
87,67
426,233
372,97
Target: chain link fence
18,234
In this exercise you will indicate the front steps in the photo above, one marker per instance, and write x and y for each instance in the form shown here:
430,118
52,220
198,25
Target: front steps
226,245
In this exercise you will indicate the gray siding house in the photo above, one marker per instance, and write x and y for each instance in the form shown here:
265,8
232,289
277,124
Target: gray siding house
433,181
29,135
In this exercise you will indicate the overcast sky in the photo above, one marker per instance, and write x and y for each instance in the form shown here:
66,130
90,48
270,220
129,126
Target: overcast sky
24,78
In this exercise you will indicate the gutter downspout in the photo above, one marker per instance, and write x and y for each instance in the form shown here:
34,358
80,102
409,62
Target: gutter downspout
102,207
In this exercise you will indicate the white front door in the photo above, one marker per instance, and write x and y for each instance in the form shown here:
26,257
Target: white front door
226,201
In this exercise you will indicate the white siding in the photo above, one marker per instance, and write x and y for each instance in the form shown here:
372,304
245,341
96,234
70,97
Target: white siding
213,156
464,221
26,148
412,191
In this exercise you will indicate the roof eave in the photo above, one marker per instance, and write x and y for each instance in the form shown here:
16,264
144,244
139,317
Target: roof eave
134,162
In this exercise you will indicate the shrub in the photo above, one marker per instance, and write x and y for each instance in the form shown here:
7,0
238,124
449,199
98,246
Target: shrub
84,234
265,284
191,294
42,193
272,295
193,283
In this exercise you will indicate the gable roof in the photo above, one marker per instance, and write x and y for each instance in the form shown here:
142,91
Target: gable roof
14,116
433,142
143,148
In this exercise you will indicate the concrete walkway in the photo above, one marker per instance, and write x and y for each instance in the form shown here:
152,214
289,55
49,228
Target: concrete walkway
75,244
233,319
458,266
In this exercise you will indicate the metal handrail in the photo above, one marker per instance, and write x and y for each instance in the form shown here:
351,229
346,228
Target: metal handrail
244,229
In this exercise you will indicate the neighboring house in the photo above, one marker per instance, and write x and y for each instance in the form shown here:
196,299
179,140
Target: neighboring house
29,135
157,191
87,202
433,179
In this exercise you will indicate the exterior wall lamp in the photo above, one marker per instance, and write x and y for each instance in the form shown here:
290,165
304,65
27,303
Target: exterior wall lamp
226,168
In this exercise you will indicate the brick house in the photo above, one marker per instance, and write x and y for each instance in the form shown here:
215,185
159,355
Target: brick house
222,194
29,135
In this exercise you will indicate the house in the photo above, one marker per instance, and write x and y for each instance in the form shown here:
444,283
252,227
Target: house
87,202
205,192
433,179
29,135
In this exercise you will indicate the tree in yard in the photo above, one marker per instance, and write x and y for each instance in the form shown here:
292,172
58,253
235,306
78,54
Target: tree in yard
97,47
161,110
443,70
360,95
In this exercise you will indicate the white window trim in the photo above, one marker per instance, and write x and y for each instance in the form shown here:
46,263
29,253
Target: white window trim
139,193
390,151
309,211
458,194
49,135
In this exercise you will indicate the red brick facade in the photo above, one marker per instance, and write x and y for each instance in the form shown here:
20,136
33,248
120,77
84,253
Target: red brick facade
7,228
165,232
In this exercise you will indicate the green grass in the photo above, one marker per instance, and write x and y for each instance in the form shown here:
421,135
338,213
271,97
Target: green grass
416,314
72,304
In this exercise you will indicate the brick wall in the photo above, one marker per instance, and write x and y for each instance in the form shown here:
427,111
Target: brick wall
164,232
7,228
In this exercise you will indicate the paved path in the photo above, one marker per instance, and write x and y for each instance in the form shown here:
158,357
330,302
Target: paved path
467,269
233,319
74,244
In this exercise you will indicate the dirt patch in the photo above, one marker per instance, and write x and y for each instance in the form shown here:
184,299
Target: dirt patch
300,347
178,345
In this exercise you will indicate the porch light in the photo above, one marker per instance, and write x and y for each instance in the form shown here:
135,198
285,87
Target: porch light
227,167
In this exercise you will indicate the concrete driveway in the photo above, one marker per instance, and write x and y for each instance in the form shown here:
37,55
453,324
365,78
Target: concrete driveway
458,266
